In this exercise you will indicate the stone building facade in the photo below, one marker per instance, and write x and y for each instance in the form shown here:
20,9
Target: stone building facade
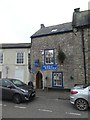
72,38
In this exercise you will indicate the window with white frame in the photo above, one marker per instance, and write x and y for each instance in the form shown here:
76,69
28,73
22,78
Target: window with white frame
1,57
20,58
49,57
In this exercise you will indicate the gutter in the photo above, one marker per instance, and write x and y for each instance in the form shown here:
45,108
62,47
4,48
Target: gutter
84,60
48,34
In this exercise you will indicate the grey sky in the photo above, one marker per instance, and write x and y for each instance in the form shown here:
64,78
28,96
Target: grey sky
19,19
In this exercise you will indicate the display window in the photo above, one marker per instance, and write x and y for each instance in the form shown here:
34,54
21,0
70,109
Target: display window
57,79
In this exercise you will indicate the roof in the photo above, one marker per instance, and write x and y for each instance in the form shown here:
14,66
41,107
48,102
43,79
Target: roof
81,19
56,29
15,45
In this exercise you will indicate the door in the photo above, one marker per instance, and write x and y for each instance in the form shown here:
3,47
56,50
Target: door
39,81
19,74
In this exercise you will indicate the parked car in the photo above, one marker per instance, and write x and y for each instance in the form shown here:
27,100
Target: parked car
16,90
30,83
80,97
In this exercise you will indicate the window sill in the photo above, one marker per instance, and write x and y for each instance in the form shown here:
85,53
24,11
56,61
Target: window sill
20,64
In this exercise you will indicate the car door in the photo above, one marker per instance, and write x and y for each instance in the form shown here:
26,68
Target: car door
7,91
89,94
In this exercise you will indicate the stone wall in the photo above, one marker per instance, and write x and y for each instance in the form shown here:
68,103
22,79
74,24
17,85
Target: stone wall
73,65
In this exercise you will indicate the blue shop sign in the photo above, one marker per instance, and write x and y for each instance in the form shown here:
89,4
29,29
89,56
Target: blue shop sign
32,70
37,63
50,67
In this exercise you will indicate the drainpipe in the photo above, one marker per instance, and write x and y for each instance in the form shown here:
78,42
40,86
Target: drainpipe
83,46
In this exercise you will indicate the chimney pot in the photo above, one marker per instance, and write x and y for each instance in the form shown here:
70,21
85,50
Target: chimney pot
77,10
42,26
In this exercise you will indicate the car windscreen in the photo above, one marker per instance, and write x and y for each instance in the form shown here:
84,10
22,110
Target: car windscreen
86,85
18,83
79,86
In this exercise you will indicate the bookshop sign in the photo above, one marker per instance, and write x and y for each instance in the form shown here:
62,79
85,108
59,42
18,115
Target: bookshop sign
50,67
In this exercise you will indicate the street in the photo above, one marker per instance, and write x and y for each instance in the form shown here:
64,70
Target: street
41,107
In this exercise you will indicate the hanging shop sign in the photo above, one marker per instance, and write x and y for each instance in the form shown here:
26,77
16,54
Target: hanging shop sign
32,70
36,63
50,67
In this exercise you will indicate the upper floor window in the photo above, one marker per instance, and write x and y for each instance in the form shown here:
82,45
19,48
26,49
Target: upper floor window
49,57
20,58
1,57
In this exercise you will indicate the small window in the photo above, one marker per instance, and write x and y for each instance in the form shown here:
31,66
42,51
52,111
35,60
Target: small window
20,58
5,83
1,57
49,57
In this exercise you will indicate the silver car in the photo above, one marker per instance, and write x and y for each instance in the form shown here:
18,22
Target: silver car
80,97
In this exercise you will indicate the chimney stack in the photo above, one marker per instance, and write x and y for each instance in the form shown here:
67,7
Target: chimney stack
42,26
77,10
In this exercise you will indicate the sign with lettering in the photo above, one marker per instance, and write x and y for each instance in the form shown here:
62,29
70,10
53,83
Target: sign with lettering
50,67
32,70
37,63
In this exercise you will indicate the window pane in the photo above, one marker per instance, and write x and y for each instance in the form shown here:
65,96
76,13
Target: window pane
58,79
5,83
20,58
49,56
1,58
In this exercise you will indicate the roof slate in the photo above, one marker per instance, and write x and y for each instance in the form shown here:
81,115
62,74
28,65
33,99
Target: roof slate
80,19
56,29
15,45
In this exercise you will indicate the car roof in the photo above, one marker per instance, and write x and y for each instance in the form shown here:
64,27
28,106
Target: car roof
9,79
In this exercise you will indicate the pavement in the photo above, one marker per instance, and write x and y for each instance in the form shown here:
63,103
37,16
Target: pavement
53,94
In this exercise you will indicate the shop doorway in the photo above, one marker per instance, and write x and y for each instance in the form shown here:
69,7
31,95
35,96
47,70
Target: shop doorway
39,81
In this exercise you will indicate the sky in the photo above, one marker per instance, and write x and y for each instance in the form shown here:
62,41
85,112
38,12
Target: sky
20,19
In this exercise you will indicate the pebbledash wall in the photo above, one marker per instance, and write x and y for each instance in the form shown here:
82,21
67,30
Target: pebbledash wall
14,61
73,40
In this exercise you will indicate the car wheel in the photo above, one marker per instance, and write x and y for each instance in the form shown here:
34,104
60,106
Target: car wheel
81,104
16,99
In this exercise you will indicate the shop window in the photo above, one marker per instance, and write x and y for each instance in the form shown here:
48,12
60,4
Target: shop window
57,79
1,57
49,57
20,58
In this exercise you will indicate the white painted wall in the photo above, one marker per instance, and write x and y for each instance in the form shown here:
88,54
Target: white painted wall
15,70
